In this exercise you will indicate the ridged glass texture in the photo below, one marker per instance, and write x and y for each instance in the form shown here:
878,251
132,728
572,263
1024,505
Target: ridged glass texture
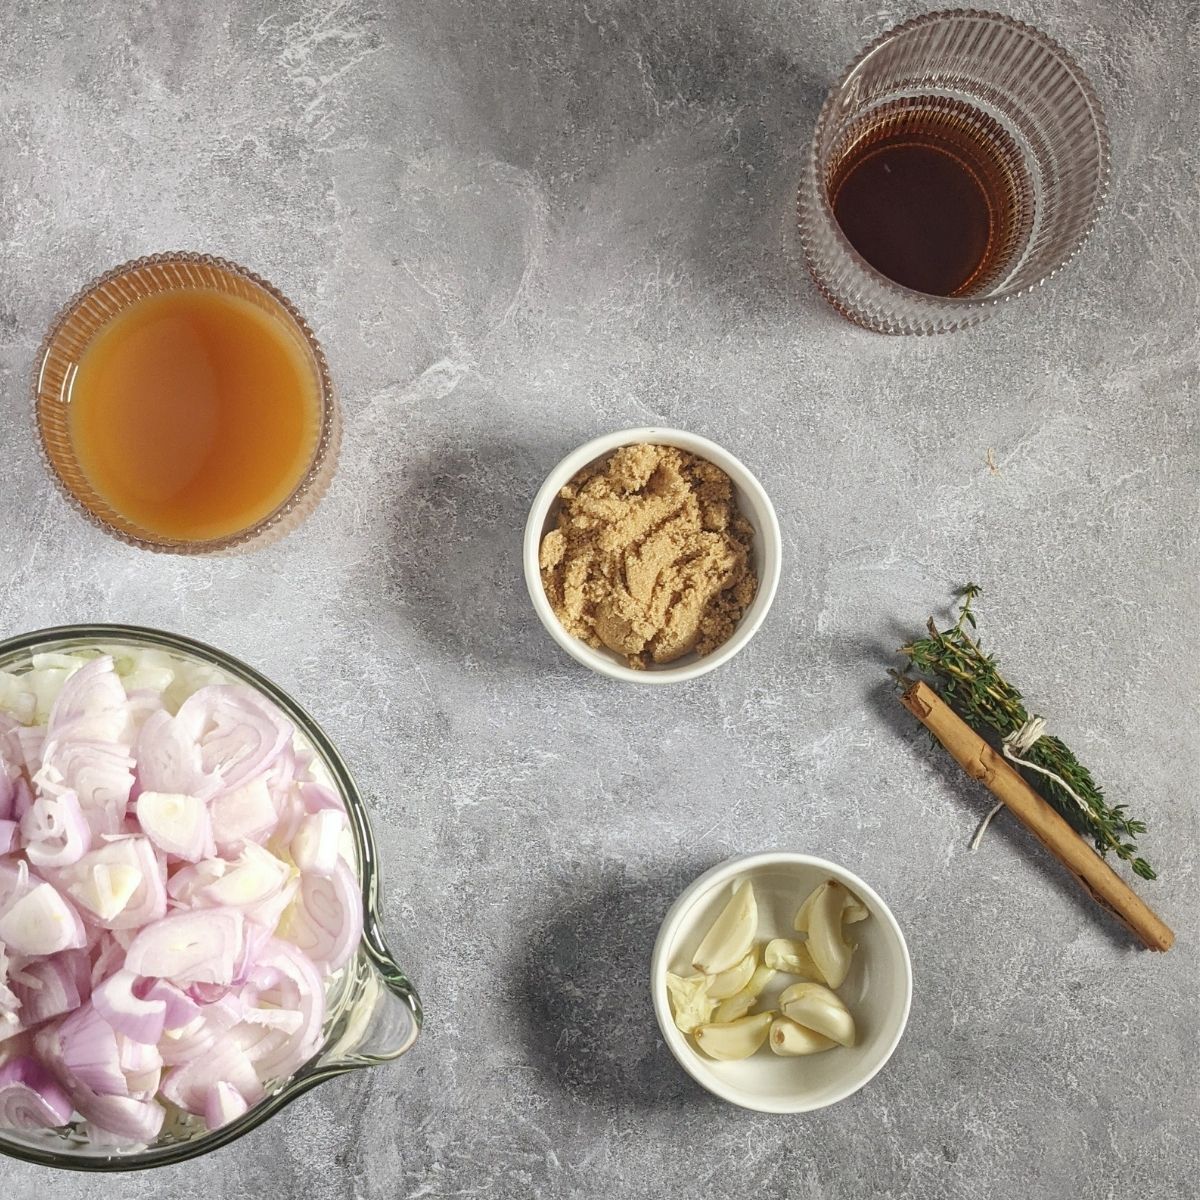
97,304
1013,88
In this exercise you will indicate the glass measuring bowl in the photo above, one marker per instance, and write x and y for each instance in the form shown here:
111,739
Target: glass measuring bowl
374,1014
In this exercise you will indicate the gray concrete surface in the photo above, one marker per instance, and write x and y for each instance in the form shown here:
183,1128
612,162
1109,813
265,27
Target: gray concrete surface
519,224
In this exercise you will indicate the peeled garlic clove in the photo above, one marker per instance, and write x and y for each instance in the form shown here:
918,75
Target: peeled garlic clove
817,1008
821,916
690,1002
732,933
739,1005
790,1040
729,983
800,924
782,954
734,1008
855,910
735,1039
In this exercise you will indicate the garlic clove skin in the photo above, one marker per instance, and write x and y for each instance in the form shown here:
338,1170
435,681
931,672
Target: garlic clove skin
729,983
739,1005
819,1009
789,1040
691,1005
793,958
732,933
734,1040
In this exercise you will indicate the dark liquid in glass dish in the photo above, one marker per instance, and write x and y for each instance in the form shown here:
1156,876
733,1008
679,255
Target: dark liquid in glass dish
929,191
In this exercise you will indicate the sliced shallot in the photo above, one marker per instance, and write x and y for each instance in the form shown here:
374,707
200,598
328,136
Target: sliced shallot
189,947
55,830
178,824
325,920
30,1097
174,892
116,1001
41,922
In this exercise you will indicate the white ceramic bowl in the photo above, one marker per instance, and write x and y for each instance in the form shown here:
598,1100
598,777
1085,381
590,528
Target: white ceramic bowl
755,507
878,990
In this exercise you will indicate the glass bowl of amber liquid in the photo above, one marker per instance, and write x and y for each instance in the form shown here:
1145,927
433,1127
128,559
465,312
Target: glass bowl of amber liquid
184,405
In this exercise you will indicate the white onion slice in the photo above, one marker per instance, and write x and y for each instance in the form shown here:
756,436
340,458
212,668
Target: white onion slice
30,741
176,823
15,880
17,698
10,1023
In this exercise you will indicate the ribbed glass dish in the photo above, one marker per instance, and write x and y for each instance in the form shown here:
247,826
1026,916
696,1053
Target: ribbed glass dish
94,307
1014,92
373,1013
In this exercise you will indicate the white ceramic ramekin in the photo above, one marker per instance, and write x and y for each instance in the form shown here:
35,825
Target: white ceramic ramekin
754,504
878,989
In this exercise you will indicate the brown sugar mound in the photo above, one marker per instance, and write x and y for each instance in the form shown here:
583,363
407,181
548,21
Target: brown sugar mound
650,557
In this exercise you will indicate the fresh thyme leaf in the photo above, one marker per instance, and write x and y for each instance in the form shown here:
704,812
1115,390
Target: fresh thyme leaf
971,683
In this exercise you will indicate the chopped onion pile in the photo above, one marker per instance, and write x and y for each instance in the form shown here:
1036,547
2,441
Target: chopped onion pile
175,889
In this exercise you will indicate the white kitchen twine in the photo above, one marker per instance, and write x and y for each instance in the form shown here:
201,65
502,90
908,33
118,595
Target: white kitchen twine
1017,743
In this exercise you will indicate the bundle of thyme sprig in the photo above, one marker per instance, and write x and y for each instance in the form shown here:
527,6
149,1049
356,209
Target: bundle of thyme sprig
971,683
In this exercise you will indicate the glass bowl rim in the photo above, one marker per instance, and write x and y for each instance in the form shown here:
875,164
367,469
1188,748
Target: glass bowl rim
326,438
372,945
820,206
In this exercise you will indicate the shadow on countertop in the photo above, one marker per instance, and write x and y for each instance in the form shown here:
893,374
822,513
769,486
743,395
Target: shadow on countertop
457,520
583,993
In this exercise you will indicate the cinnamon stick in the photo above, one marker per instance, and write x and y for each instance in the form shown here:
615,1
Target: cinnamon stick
982,762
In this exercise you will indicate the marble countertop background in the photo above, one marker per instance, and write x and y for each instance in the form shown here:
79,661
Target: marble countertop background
516,224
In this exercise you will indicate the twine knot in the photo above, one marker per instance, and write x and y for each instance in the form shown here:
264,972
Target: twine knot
1016,744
